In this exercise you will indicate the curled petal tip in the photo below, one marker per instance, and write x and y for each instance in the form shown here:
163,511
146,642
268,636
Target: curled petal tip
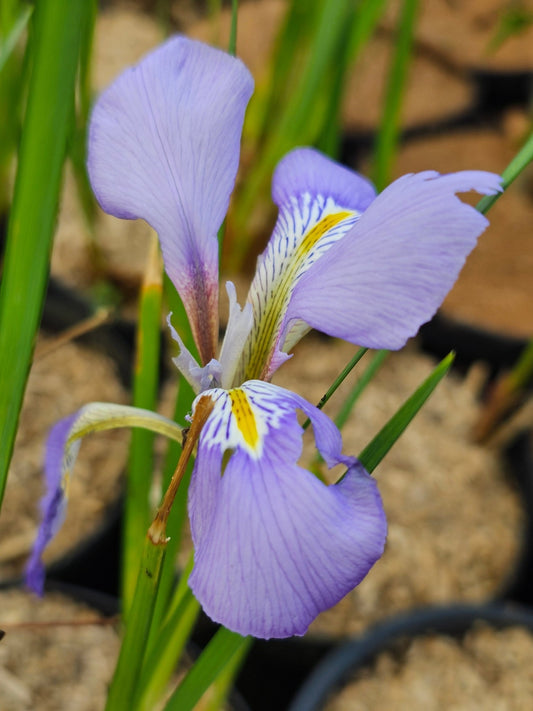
53,503
391,271
62,448
35,576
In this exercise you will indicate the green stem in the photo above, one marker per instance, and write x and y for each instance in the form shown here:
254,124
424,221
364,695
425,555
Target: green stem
166,647
134,645
232,45
146,380
374,452
389,131
513,170
294,122
337,382
122,689
347,406
178,514
219,653
9,41
225,680
177,517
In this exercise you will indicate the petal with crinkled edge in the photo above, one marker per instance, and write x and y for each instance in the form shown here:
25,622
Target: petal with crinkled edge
62,449
274,546
388,275
164,145
319,201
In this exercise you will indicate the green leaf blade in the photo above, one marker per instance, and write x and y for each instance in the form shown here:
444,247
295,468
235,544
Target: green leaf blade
9,42
47,125
374,452
145,390
219,653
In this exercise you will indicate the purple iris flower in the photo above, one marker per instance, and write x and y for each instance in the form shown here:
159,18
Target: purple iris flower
274,546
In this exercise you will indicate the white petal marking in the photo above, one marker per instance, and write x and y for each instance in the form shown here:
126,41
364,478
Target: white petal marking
306,228
242,417
239,326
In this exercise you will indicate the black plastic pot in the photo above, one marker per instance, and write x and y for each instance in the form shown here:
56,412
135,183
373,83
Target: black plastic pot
64,308
471,344
500,353
273,670
519,587
497,91
493,93
94,563
106,605
342,663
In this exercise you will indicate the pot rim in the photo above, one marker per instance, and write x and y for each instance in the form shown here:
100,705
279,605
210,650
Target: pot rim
453,620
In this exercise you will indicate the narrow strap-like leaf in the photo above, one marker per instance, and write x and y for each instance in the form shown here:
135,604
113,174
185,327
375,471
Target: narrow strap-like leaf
8,43
57,31
145,386
347,406
220,652
389,130
122,689
374,452
166,647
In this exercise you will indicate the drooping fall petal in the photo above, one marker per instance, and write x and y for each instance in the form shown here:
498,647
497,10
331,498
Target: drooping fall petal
274,546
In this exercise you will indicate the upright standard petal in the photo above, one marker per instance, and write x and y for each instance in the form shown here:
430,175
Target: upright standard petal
388,275
274,546
164,145
62,449
319,201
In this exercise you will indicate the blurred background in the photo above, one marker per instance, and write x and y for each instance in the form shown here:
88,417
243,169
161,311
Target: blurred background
387,87
465,104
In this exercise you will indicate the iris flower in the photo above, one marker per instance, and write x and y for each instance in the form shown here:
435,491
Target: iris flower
274,546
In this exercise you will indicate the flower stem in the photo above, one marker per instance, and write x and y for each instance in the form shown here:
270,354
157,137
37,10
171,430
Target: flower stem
347,406
123,685
137,506
338,380
125,680
513,170
387,139
157,532
232,45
